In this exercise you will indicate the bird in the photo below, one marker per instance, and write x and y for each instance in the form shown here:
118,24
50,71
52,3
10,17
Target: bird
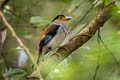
53,35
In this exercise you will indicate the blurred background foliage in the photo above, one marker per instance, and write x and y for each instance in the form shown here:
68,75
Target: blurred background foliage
30,17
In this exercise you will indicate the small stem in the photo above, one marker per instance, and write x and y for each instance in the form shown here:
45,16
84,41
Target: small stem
20,43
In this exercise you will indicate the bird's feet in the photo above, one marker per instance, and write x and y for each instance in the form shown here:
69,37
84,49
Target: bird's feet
56,53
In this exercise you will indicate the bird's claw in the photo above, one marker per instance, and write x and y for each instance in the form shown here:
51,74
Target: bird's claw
56,53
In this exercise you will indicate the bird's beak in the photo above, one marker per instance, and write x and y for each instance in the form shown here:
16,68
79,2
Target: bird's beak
68,18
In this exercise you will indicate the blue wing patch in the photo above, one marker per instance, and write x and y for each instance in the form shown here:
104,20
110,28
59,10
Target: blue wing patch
47,39
51,33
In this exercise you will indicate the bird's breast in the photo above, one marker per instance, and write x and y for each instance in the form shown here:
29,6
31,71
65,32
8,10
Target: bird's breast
58,38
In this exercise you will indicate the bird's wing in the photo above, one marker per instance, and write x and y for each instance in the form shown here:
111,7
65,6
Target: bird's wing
48,34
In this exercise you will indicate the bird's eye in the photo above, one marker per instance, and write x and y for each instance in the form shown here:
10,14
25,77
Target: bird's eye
60,17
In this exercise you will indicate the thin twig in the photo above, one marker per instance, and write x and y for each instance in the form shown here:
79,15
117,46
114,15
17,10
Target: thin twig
21,19
83,17
17,16
75,8
111,53
99,39
74,25
20,42
98,63
103,4
97,67
33,5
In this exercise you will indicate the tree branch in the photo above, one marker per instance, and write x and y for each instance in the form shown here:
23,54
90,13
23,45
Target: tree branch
20,43
79,20
30,25
77,41
86,33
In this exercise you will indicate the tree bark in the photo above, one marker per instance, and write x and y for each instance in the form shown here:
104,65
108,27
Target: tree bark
86,33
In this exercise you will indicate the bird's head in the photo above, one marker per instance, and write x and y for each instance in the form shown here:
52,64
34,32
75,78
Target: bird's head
61,18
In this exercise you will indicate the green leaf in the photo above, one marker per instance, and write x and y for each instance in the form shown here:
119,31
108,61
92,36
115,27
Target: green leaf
118,3
16,74
37,19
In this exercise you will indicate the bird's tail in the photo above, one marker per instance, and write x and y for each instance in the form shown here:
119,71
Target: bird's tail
39,55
